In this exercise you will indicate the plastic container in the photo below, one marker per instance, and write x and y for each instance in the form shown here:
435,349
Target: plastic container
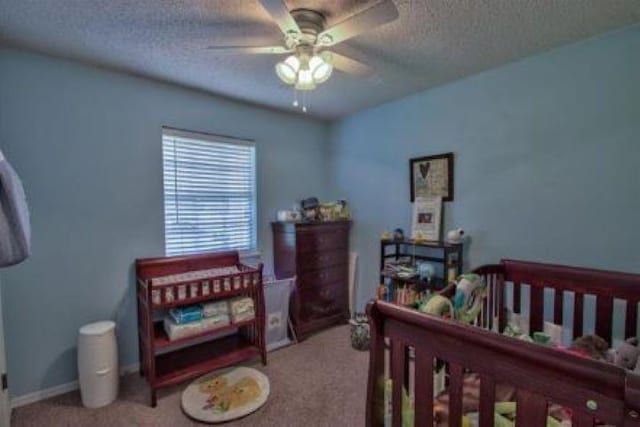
276,298
98,364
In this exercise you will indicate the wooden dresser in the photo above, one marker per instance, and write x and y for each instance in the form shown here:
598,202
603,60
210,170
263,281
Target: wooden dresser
318,254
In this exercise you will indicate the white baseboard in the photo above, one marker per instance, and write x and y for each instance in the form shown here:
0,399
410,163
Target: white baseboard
47,393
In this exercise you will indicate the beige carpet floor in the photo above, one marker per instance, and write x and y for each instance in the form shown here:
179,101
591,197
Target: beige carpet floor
319,382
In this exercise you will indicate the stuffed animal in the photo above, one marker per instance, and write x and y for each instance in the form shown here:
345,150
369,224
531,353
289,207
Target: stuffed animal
467,301
455,236
437,305
626,356
591,346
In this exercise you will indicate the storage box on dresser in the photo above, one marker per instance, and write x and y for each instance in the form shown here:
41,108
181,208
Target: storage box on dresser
318,255
192,280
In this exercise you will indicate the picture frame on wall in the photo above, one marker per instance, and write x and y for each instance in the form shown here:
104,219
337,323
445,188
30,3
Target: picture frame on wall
427,218
432,176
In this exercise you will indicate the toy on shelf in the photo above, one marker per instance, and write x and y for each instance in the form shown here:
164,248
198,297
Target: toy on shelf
335,211
455,236
420,237
425,270
310,209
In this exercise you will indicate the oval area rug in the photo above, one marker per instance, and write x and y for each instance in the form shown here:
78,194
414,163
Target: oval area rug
225,395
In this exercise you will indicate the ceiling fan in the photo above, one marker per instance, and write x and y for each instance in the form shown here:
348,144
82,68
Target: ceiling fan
307,39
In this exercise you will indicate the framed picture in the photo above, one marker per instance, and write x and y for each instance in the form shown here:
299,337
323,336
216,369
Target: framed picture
427,218
432,176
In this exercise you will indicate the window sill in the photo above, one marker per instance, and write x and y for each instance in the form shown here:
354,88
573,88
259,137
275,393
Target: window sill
250,254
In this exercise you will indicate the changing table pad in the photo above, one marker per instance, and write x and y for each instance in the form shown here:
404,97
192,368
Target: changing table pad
194,275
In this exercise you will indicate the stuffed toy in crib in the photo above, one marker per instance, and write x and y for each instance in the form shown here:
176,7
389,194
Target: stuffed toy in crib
464,306
469,296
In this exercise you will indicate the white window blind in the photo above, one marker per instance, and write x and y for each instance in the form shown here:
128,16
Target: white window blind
209,193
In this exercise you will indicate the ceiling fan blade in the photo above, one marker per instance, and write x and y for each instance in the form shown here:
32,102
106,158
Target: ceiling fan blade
378,14
350,66
233,50
280,13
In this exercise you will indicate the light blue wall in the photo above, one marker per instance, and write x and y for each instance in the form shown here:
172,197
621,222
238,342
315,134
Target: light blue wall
547,159
87,144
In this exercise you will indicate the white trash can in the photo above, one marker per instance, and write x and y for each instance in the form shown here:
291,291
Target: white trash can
98,364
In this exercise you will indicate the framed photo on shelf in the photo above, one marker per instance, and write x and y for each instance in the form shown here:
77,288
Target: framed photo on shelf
432,176
427,218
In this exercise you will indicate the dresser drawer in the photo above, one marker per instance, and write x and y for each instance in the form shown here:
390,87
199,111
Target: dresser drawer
319,260
322,301
325,276
321,240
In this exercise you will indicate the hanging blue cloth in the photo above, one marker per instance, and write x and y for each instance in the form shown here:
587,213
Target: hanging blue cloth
15,230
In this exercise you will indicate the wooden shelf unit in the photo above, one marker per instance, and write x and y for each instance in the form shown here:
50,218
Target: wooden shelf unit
451,257
166,362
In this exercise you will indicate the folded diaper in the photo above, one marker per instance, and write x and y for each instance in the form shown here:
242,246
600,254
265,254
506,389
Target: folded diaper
215,308
177,331
241,309
187,314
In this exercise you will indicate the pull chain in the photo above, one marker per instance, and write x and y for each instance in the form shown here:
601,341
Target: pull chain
295,97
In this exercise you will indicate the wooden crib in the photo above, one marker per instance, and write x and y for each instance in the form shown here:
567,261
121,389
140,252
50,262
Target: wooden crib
405,344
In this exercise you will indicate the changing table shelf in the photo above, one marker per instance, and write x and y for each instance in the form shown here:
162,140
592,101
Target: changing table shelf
167,282
190,362
162,340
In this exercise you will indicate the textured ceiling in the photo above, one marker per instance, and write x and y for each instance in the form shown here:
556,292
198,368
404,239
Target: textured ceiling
433,41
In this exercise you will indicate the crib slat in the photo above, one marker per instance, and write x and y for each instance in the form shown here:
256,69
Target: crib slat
604,314
423,387
500,297
490,304
531,409
516,297
487,399
580,419
455,395
577,315
558,298
631,319
397,376
536,308
484,312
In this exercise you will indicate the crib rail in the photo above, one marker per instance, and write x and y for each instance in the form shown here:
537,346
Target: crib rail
564,281
593,391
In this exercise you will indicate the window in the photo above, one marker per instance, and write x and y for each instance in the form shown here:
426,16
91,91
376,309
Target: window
209,193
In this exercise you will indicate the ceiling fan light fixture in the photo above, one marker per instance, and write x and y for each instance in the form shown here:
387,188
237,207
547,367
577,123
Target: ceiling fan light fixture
320,68
305,80
288,69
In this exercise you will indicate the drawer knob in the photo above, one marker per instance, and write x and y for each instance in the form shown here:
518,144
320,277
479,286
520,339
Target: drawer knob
592,405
